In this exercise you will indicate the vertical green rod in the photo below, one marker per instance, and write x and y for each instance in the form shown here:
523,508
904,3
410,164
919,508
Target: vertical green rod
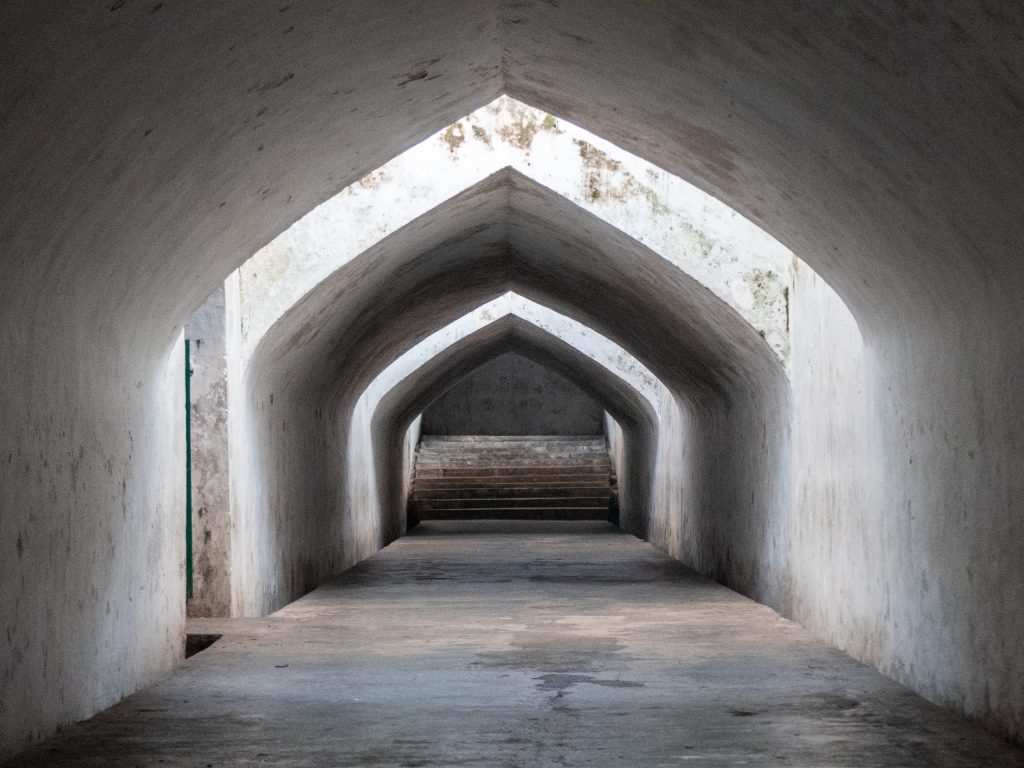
188,470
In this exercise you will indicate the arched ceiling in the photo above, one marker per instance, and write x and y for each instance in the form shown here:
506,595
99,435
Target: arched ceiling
879,141
509,233
743,265
415,392
151,147
600,349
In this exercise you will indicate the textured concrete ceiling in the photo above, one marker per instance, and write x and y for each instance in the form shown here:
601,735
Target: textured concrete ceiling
151,147
508,233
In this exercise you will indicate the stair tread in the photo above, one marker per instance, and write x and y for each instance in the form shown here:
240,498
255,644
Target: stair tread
540,501
507,492
439,439
590,513
516,471
528,476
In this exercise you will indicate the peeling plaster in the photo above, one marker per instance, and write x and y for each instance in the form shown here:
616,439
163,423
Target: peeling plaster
742,264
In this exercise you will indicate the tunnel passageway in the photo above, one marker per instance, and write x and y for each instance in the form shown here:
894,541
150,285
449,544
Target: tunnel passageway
522,643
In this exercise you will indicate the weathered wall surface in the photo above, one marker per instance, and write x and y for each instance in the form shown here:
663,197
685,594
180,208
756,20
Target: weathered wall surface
290,530
741,536
953,411
896,537
512,395
208,334
410,444
670,477
92,525
839,546
620,462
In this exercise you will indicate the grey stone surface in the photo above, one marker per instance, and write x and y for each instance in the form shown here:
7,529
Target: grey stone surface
522,644
512,395
506,477
209,334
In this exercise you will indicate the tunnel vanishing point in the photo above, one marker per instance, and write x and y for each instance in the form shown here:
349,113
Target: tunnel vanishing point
512,382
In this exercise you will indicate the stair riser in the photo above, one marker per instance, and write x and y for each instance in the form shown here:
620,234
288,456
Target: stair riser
588,501
524,449
480,477
513,461
439,472
512,439
517,514
547,481
504,492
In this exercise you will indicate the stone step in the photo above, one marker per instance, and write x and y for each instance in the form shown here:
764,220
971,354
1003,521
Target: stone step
530,446
494,476
516,468
525,449
537,513
489,439
546,502
453,472
515,458
463,445
551,481
508,492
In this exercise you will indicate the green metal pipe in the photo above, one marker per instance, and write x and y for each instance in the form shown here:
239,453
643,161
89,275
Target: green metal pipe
188,470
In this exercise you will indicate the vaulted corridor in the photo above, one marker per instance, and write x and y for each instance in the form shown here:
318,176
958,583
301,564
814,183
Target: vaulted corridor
264,266
526,644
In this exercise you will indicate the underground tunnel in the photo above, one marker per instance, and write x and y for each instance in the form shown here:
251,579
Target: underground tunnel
605,383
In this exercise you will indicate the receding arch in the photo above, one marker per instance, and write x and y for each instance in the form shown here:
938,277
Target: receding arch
732,257
362,497
410,397
509,233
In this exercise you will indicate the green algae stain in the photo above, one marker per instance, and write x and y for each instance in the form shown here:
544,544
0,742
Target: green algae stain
454,136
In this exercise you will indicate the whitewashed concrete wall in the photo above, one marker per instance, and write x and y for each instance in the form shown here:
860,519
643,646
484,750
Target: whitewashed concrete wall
838,547
616,452
674,496
287,539
411,443
92,593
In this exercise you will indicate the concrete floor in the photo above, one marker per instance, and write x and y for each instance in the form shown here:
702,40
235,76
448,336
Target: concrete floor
521,644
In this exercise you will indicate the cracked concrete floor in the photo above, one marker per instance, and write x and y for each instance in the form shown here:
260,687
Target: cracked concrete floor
522,644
